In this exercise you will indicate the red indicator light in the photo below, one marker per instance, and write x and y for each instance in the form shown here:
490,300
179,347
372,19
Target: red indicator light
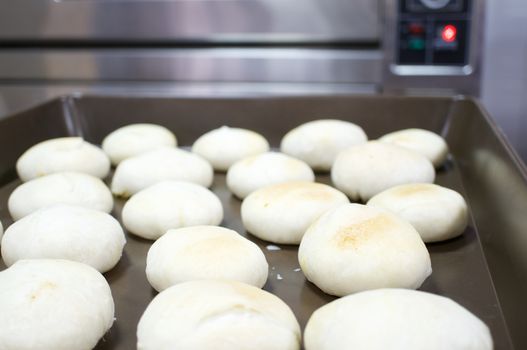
449,33
416,28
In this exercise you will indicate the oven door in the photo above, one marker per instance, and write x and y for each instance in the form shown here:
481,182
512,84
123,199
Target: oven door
195,21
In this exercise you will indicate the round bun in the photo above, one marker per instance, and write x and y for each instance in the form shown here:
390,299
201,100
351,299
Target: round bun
319,142
365,170
65,232
224,146
436,212
168,205
53,304
134,139
60,188
395,319
62,154
428,143
167,163
252,173
356,247
281,213
219,315
204,252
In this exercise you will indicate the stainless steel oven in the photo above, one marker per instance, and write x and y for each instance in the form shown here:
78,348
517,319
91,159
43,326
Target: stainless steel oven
49,47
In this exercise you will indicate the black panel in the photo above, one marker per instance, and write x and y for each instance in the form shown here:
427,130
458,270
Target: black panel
412,41
420,37
450,53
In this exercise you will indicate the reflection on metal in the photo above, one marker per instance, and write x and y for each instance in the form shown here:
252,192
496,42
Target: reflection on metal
431,70
16,96
191,20
225,64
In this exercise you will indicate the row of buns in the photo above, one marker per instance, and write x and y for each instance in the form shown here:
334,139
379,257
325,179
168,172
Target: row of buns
362,252
315,145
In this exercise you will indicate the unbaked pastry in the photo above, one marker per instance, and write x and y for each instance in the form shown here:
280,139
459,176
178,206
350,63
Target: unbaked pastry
436,212
134,139
356,247
60,188
281,213
166,163
166,205
52,304
365,170
395,319
252,173
224,146
64,231
428,143
319,142
204,252
217,315
62,154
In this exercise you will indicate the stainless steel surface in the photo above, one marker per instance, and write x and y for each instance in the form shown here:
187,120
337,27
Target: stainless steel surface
504,84
211,64
190,20
431,80
18,96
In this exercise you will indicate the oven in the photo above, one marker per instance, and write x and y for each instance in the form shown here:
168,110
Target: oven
226,47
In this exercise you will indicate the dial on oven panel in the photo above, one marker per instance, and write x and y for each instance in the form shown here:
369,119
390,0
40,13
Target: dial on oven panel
433,32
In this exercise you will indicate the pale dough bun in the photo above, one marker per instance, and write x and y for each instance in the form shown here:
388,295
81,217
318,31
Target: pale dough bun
204,252
60,188
224,146
168,205
365,170
166,163
134,139
62,154
217,315
436,212
68,232
252,173
428,143
52,304
356,247
320,141
386,319
281,213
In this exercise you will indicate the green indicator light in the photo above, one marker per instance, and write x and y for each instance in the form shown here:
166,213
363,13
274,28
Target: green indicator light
416,44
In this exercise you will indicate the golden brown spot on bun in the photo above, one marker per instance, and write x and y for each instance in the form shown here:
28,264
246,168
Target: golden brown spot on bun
412,189
302,189
213,244
352,236
42,288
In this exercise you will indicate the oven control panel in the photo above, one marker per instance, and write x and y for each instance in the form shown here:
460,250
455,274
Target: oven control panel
433,32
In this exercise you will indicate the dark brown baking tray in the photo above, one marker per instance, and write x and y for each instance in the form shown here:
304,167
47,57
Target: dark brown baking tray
484,270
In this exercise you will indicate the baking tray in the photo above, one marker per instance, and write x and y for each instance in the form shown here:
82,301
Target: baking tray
483,270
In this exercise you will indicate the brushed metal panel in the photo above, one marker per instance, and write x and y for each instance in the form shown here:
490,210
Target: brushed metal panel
225,64
16,96
191,20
